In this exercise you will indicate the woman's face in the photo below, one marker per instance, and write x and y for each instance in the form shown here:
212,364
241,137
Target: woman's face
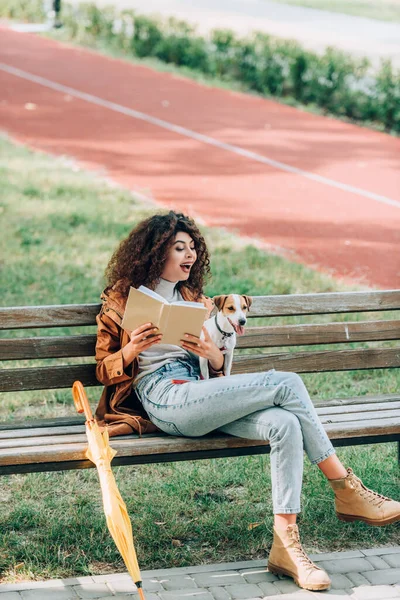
180,259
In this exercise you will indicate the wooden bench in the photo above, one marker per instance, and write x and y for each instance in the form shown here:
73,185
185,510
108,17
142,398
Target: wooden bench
60,444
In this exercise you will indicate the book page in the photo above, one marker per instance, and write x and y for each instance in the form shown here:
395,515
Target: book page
183,319
187,303
152,293
141,308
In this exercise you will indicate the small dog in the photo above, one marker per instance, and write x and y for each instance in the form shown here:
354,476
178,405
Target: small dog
225,325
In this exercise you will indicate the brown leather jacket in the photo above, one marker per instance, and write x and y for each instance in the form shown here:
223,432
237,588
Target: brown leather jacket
119,408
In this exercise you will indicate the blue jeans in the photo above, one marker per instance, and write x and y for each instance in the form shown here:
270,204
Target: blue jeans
271,405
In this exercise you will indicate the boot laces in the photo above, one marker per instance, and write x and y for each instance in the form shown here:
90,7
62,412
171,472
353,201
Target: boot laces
300,553
369,495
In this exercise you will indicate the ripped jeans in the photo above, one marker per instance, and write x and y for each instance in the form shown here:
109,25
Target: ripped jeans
271,405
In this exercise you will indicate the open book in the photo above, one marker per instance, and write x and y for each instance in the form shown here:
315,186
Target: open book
172,319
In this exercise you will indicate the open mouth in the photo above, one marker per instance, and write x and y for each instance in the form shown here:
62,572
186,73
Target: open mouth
239,329
186,267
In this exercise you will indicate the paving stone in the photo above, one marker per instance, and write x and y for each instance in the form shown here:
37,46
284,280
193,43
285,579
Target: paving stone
268,588
258,575
152,585
77,580
298,595
187,594
345,565
109,577
244,564
178,583
122,587
333,594
383,576
92,590
219,593
340,582
10,595
67,593
136,596
377,562
244,591
336,555
286,586
375,592
393,560
31,585
381,551
357,579
213,579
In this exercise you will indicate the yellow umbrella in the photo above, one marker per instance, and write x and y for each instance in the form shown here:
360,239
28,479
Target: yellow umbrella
101,454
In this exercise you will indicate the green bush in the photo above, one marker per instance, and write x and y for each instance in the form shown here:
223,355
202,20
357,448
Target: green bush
336,82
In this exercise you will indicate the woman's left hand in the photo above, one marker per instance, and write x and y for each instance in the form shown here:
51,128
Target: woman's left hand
205,348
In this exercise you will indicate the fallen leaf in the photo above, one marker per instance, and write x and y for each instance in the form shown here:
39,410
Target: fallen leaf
254,525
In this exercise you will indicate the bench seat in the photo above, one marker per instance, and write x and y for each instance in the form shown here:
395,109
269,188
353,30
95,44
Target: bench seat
60,444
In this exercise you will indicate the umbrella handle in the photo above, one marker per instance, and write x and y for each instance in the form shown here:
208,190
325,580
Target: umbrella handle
81,400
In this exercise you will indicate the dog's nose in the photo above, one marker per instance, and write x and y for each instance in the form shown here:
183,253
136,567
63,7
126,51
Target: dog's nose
242,322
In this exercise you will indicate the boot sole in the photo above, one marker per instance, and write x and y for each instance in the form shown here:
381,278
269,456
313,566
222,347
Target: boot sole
380,523
307,586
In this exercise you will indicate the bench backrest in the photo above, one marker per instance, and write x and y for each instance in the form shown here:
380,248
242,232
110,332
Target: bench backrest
265,337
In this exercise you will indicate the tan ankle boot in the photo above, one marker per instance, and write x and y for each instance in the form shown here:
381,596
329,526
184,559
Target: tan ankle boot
287,557
355,502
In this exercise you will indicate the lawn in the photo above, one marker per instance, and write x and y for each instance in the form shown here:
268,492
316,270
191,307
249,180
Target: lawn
58,234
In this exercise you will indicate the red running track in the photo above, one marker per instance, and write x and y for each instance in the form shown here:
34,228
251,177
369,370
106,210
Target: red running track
326,192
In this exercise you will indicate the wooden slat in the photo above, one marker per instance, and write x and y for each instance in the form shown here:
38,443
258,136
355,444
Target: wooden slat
313,334
255,337
32,442
48,347
26,317
356,400
14,380
42,432
42,423
313,304
125,447
170,447
57,315
313,362
361,429
361,416
19,439
358,408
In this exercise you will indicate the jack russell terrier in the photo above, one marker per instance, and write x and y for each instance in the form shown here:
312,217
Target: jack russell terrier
225,325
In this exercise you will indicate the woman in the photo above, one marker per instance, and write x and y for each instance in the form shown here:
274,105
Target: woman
168,254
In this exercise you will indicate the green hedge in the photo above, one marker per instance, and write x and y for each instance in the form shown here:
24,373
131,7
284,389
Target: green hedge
336,82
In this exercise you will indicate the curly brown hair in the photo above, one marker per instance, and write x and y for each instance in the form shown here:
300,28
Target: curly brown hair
139,259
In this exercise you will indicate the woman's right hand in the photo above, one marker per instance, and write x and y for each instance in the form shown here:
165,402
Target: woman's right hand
143,338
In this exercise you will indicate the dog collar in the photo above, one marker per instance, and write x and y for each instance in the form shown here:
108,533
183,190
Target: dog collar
224,333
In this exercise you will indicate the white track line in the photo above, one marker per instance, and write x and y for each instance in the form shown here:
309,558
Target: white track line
205,139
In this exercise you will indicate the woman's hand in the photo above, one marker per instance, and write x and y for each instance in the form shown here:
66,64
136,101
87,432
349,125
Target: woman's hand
142,339
205,348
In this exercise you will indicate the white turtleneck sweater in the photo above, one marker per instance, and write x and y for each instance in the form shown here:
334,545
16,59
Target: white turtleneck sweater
161,354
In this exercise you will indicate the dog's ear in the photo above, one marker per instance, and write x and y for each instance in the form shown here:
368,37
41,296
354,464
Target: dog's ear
219,301
249,301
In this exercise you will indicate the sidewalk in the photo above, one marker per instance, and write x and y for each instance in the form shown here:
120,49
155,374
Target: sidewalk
360,575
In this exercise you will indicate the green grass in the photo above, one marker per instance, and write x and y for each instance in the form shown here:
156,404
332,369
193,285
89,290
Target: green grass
385,10
60,226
